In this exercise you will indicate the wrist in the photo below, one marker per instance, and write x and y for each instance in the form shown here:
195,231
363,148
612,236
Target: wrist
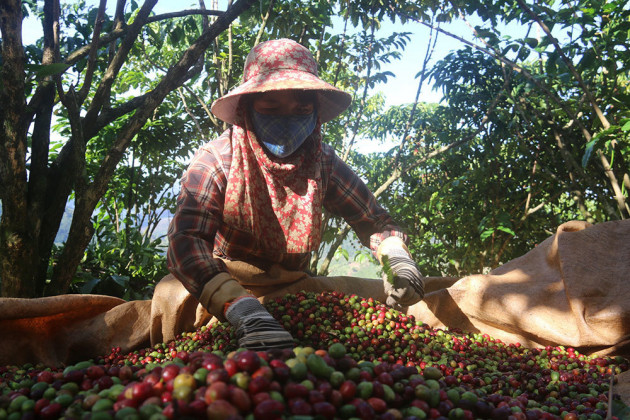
392,246
227,304
245,308
220,289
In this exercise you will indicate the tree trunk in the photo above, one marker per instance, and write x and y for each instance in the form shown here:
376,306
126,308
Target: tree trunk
16,237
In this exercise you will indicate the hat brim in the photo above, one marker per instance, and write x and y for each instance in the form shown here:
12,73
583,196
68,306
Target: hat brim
332,101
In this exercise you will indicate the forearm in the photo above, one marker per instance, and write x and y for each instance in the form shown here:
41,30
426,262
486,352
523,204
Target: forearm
190,255
347,196
389,235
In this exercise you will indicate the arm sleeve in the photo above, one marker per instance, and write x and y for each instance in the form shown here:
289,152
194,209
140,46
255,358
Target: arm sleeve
348,196
195,222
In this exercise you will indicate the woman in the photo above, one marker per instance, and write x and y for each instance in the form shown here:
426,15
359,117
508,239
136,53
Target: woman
255,195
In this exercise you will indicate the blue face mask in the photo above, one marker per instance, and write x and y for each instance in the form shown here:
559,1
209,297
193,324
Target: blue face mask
283,134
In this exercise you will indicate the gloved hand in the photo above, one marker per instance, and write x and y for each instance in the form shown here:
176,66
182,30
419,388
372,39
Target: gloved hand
255,328
408,283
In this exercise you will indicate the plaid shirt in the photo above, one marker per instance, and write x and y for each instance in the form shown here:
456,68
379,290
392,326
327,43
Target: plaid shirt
197,232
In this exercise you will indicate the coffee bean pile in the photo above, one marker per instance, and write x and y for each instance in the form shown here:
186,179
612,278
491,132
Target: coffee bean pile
354,358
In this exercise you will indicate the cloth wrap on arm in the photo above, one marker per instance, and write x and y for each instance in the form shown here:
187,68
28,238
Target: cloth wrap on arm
408,284
255,328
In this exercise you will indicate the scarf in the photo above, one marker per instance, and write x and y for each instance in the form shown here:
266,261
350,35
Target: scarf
278,201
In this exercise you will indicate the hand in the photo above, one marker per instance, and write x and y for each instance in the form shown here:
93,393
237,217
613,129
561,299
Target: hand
255,328
408,284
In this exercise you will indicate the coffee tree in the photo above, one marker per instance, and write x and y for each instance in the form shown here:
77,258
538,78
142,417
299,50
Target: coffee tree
73,72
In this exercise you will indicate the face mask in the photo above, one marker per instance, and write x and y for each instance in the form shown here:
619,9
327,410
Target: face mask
283,134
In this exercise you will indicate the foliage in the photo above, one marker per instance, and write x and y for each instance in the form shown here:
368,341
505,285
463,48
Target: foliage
525,160
123,263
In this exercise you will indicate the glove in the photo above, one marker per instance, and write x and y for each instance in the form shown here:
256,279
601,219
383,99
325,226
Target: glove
408,284
255,328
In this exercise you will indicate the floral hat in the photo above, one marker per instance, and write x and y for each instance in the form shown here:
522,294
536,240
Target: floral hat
282,64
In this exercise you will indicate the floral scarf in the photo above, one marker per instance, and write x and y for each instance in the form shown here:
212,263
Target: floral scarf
279,201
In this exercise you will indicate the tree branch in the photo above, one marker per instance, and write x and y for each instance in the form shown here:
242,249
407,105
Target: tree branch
119,14
40,139
341,50
120,31
397,173
190,114
182,13
203,105
112,114
263,24
175,76
333,248
516,68
621,203
370,52
427,57
12,98
103,91
91,64
567,62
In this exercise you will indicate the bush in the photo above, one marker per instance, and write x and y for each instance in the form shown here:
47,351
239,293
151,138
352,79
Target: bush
124,263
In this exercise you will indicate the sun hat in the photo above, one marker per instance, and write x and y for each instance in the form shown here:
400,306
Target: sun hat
281,64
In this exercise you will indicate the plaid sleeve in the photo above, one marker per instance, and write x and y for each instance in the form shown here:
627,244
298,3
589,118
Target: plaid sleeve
196,220
348,196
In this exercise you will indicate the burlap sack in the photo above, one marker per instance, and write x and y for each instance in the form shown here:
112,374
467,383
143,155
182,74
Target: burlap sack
570,290
70,328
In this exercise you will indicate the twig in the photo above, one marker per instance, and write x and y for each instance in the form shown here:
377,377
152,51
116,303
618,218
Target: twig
370,57
398,172
623,207
265,19
189,112
91,64
423,72
182,13
567,62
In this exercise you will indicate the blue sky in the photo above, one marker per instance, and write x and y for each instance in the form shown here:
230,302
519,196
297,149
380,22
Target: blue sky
399,89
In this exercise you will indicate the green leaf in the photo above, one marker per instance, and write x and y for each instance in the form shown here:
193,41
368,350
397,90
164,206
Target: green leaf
486,234
121,280
588,152
506,230
387,269
601,136
50,70
342,252
531,42
88,287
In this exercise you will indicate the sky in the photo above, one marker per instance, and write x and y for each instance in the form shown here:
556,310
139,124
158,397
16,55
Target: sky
398,90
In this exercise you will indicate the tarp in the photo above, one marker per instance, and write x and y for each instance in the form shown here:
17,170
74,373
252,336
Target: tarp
571,290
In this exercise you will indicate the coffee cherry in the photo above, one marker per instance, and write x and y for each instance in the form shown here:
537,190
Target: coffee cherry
355,358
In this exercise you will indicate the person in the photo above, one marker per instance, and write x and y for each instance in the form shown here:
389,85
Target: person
256,194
